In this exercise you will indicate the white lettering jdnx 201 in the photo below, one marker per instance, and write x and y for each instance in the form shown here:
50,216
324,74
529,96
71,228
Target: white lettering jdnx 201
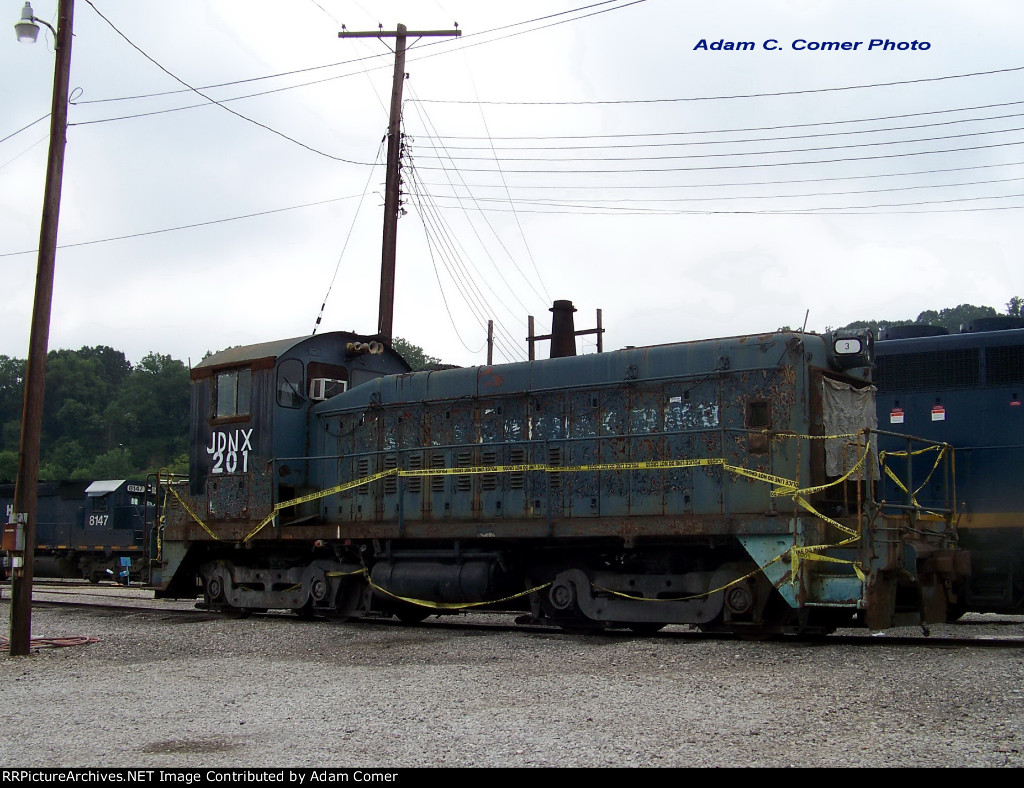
230,451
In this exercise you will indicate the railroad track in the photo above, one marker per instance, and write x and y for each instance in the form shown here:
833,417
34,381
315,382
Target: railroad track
139,599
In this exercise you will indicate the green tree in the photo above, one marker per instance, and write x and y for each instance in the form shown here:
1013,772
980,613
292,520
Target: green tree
8,465
179,465
79,386
63,459
877,326
12,393
413,354
101,416
113,464
150,416
953,318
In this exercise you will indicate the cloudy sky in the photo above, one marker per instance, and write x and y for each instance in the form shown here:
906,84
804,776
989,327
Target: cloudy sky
692,169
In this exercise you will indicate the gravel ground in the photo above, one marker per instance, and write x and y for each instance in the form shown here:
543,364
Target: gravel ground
176,689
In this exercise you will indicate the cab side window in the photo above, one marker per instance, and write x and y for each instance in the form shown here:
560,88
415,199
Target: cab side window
289,384
232,393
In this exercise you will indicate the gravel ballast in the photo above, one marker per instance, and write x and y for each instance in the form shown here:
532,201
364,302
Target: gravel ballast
180,689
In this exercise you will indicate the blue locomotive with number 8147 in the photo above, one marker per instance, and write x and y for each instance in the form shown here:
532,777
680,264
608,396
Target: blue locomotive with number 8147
99,530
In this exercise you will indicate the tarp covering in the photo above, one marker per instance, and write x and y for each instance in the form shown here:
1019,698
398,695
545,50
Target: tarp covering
847,410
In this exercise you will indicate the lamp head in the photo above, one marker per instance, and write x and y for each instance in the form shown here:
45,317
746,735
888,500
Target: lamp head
26,27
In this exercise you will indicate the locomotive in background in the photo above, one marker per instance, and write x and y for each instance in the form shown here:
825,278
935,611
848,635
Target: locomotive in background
99,530
964,389
724,483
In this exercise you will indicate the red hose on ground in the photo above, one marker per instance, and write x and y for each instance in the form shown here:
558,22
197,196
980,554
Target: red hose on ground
76,640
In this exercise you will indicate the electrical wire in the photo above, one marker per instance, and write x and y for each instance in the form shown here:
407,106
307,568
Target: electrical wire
773,94
745,129
30,147
186,226
443,242
659,186
732,154
519,225
219,104
293,72
496,235
23,128
348,237
591,200
640,145
593,170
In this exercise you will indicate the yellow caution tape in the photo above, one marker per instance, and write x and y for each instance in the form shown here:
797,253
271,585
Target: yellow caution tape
785,487
449,605
195,517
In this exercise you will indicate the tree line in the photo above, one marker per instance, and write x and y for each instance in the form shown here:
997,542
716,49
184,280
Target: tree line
951,319
105,418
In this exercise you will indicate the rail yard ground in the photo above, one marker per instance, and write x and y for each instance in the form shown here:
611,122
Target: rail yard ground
165,686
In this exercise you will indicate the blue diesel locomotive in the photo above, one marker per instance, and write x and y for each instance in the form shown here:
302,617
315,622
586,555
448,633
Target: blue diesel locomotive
726,484
964,389
98,530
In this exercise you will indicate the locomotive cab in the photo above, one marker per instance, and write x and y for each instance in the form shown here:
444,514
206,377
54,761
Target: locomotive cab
250,425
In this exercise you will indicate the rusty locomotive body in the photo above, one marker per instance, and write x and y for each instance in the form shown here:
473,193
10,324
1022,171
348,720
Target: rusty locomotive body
725,484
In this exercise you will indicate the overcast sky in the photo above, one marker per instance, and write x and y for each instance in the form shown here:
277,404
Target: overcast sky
556,150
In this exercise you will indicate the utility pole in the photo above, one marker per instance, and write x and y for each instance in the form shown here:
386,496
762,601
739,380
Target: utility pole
22,529
393,183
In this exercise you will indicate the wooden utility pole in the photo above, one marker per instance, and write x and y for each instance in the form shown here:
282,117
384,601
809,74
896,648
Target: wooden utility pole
21,531
393,183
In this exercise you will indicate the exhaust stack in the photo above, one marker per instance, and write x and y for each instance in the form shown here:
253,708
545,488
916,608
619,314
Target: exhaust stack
563,330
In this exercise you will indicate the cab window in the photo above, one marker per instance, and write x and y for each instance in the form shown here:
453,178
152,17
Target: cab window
289,384
232,395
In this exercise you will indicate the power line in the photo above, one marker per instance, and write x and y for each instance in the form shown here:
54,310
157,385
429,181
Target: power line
461,276
736,153
505,248
873,119
359,60
773,94
578,146
23,128
219,104
186,226
582,209
661,186
596,171
541,201
348,237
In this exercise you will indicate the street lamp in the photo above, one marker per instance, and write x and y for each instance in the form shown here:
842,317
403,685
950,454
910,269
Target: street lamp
20,533
26,27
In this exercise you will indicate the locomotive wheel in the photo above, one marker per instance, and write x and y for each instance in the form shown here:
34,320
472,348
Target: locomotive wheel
214,587
562,610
